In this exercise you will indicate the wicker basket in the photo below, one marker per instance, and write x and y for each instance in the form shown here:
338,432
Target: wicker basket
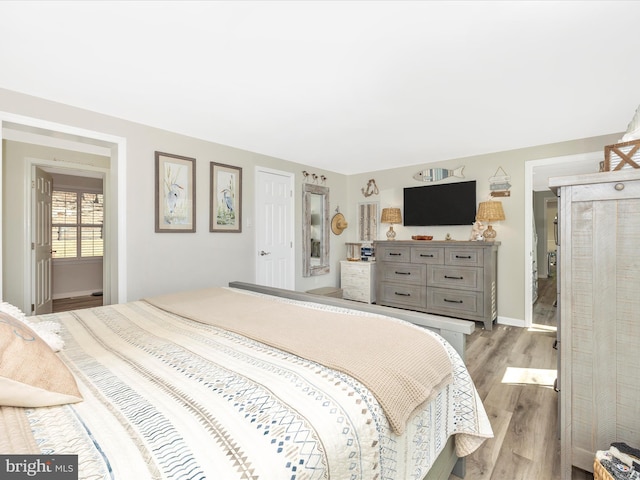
599,472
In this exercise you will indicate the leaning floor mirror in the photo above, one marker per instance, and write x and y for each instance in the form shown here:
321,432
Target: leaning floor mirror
315,230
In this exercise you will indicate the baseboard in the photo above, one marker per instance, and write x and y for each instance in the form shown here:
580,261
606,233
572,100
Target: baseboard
513,322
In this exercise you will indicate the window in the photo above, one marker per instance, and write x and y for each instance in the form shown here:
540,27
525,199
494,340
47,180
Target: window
77,221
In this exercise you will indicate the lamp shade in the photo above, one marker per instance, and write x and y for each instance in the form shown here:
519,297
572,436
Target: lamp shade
391,215
490,211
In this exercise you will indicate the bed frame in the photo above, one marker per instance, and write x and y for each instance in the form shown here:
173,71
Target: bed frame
452,329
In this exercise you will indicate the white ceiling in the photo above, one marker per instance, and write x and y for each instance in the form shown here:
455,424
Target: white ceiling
347,86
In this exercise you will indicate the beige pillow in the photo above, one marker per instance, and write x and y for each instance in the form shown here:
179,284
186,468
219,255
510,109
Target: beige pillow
31,374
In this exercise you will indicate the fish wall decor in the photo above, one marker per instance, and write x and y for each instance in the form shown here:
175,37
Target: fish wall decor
437,174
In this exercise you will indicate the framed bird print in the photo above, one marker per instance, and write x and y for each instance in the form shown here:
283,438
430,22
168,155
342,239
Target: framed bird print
225,214
175,193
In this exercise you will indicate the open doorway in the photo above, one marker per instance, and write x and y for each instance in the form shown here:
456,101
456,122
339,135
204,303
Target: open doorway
537,174
77,240
16,283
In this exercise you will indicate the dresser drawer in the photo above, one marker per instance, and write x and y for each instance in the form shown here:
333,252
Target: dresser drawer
466,278
392,253
403,296
359,294
405,273
427,255
455,302
471,257
357,281
454,278
361,269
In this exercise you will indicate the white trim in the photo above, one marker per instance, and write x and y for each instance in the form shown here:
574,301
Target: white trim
29,265
529,167
115,182
513,322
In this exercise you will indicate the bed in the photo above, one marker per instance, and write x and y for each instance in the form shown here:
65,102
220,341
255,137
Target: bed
239,382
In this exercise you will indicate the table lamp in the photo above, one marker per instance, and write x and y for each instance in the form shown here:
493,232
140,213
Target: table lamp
391,216
490,211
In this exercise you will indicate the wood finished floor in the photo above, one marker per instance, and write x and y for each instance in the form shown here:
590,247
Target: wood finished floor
76,303
523,411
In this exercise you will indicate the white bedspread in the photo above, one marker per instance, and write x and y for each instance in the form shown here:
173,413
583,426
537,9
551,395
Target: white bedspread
167,397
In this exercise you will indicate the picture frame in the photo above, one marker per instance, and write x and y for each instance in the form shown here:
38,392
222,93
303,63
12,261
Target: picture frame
225,202
368,217
175,192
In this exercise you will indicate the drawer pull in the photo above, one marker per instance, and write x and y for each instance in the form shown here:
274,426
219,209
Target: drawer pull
467,257
392,254
453,278
427,256
402,273
453,301
402,294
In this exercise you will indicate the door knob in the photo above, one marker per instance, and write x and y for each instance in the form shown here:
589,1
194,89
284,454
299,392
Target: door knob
263,253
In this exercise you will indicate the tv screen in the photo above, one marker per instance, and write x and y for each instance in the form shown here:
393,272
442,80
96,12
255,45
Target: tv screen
446,204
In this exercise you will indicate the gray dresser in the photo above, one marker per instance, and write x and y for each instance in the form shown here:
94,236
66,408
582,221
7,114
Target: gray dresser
457,279
599,323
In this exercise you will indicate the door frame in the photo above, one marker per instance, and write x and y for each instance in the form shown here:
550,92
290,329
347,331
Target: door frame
67,168
290,223
529,170
115,270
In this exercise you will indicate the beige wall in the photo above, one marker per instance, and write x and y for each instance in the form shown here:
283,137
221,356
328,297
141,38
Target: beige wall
15,188
511,254
159,263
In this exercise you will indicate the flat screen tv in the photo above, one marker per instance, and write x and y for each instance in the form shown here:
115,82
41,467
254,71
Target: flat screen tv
445,204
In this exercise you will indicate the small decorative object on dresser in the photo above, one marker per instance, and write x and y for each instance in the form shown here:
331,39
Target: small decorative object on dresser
476,232
458,279
391,216
354,251
421,237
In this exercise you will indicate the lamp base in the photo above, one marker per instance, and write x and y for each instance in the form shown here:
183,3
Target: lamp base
489,234
391,234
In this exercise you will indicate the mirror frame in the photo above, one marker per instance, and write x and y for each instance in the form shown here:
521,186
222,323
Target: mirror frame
309,270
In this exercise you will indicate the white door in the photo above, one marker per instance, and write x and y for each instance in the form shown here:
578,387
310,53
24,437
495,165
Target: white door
41,245
274,229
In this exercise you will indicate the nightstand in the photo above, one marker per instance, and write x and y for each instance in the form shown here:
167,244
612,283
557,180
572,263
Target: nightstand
357,280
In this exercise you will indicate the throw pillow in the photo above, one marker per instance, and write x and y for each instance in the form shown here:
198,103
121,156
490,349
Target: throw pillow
31,374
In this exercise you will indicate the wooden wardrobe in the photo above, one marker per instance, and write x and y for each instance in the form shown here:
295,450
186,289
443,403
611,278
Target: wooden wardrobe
599,313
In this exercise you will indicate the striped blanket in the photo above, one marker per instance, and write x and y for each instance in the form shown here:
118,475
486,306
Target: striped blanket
169,397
